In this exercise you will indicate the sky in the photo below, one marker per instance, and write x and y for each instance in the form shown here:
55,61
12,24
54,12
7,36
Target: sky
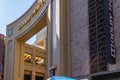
10,10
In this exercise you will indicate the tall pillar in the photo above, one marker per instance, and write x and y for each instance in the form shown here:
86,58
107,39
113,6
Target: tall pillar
62,66
22,45
63,33
49,38
33,75
19,60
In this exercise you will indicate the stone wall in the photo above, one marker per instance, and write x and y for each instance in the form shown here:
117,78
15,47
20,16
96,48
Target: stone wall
79,38
116,11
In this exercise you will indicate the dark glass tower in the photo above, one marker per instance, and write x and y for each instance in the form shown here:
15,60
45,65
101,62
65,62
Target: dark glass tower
102,48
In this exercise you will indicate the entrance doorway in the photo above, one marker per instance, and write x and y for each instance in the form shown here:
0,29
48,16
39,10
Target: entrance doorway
27,77
38,78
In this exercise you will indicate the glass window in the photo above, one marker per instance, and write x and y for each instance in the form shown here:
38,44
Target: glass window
97,36
38,78
10,32
27,77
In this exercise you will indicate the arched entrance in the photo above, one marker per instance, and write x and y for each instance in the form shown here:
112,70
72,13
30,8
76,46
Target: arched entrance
36,18
18,33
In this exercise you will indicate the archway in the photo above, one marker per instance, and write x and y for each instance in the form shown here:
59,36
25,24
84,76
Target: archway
36,18
17,51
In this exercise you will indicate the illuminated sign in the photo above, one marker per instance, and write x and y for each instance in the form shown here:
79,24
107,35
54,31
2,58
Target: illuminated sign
109,28
28,19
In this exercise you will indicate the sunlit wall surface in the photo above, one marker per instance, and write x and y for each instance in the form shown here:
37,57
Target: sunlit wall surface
10,61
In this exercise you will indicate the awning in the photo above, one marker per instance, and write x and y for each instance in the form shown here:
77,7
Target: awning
62,78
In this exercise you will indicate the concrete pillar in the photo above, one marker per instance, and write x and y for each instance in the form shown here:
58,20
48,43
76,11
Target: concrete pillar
22,51
33,75
19,60
49,38
33,63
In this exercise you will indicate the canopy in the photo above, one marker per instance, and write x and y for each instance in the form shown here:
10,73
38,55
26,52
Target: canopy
62,78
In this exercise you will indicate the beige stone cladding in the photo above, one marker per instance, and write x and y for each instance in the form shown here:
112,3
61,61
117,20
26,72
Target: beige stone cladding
30,64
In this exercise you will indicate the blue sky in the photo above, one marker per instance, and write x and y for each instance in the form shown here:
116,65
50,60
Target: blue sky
10,10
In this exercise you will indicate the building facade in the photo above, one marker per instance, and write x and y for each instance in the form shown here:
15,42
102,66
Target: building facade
82,38
34,63
95,39
25,62
2,54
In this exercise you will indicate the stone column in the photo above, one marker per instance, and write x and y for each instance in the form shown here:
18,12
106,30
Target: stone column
33,75
49,39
